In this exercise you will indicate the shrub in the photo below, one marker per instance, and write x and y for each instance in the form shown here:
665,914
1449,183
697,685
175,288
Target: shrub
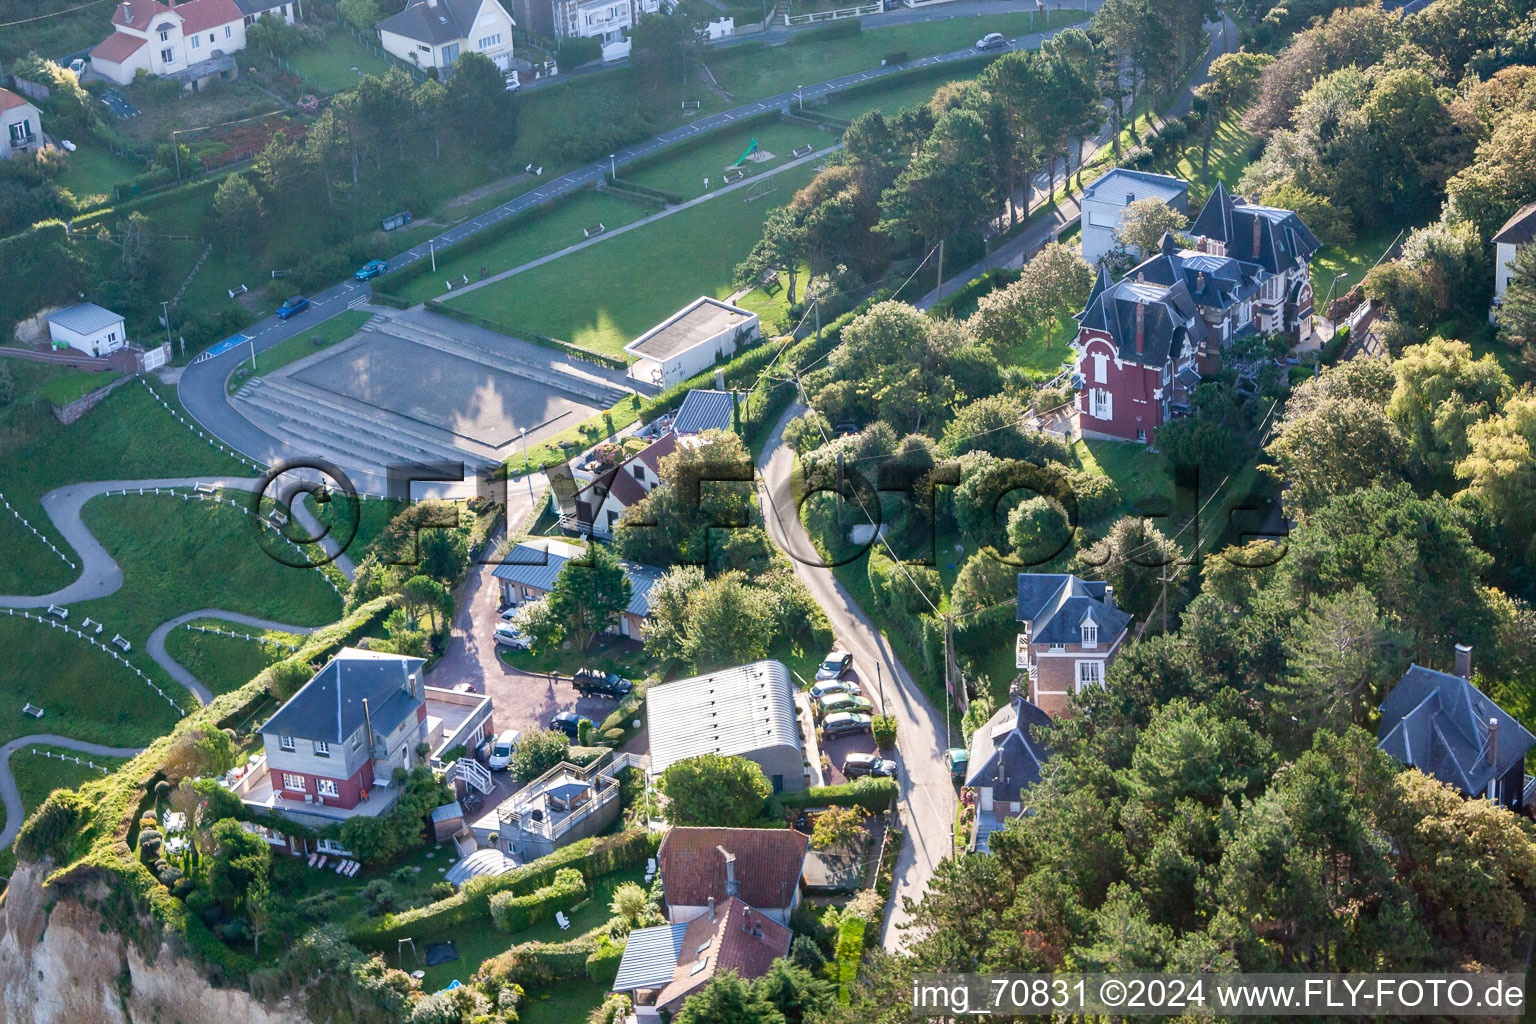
442,890
380,896
885,731
603,964
1137,157
538,752
578,50
47,832
536,965
843,29
512,913
872,794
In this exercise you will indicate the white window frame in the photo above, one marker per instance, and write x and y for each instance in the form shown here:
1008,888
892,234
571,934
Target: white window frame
228,31
294,783
168,56
322,748
1100,368
286,743
1090,635
327,787
1089,673
196,42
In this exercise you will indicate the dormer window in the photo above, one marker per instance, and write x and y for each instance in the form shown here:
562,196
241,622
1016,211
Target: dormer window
1090,634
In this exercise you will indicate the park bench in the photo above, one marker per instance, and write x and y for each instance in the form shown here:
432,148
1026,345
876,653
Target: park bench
58,612
733,175
206,489
596,229
121,642
32,709
805,150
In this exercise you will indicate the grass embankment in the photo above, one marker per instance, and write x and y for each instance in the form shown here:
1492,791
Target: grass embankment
691,253
38,775
128,436
225,663
63,390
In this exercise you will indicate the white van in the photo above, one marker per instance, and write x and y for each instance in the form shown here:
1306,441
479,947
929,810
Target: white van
502,750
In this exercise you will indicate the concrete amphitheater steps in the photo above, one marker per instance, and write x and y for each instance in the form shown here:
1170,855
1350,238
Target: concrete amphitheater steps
554,372
347,443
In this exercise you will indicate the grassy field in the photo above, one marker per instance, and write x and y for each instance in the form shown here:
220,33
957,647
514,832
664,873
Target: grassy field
1353,260
225,663
333,331
1046,348
571,1001
93,170
608,653
691,253
37,776
1142,475
178,556
1232,150
685,173
908,94
769,71
63,390
339,63
128,436
558,229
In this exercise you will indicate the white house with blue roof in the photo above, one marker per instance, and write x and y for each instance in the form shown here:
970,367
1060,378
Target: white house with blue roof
1008,755
1070,632
87,327
1105,200
529,570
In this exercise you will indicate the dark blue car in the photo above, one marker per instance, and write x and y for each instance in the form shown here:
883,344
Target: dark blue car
370,270
292,307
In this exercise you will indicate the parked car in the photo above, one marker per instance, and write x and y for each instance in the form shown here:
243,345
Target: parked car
569,722
594,682
292,307
856,765
464,688
508,635
991,41
370,270
834,665
502,750
957,760
844,723
821,691
846,702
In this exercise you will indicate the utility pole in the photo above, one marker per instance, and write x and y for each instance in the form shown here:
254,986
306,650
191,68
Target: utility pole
941,271
432,248
880,679
818,321
177,155
165,309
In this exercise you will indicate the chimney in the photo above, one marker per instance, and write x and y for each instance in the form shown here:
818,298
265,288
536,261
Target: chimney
711,908
746,919
1493,750
1464,661
1256,230
1200,282
127,13
1141,326
732,887
1109,595
719,379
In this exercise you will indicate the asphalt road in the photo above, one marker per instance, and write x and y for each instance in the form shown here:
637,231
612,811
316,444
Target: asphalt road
201,386
926,805
15,813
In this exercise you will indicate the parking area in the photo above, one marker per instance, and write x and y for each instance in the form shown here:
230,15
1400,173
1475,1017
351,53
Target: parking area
837,749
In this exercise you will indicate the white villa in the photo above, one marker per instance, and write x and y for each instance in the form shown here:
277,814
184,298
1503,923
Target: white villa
433,33
191,41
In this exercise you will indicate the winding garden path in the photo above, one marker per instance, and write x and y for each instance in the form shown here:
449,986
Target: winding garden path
156,645
15,812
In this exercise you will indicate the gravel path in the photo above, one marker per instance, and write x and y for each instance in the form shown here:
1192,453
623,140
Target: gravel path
156,645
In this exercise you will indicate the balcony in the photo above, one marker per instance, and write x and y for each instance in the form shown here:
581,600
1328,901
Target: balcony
254,788
24,143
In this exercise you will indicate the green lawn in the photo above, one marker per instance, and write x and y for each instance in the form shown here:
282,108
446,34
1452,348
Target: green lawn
558,229
330,67
127,436
567,1003
480,941
1142,475
225,663
1046,348
772,70
915,93
369,515
684,174
1353,260
333,331
688,254
63,390
37,776
178,556
1231,153
93,170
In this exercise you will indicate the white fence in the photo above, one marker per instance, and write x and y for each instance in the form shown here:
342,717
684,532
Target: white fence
793,20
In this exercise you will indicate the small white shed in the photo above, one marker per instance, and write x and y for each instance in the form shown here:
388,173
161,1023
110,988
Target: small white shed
87,328
689,343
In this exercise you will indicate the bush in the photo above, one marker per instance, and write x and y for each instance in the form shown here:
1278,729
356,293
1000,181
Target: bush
578,50
885,731
512,913
843,29
538,752
603,965
1137,157
872,794
536,965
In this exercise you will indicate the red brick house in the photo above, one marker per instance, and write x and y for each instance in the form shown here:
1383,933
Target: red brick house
1071,632
1144,342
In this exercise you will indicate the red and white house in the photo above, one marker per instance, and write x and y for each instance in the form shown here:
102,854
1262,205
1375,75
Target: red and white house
191,41
1143,342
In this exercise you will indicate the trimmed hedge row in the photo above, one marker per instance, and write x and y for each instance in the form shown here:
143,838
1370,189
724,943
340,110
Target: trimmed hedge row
536,965
603,965
872,793
975,289
594,858
843,29
513,913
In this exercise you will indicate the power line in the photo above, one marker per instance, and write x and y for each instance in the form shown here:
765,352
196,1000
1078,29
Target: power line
55,14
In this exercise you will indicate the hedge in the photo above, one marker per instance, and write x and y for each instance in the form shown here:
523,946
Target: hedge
595,857
514,913
850,951
975,289
842,29
603,965
536,964
874,794
559,344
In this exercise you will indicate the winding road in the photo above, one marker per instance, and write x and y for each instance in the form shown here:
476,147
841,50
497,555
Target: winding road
15,813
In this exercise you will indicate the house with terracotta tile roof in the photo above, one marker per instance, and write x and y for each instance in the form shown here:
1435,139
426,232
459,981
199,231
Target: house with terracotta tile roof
702,868
191,41
21,125
664,965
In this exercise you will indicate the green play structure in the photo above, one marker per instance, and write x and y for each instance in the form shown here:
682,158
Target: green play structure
750,150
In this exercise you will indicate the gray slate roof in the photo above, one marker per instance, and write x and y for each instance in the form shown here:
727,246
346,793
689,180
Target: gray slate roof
1438,723
1520,228
650,957
537,563
1005,754
1228,219
84,318
256,8
329,707
445,22
1123,181
704,410
1172,318
1056,605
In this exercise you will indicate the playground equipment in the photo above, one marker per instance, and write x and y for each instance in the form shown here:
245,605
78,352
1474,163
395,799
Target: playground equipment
760,188
750,150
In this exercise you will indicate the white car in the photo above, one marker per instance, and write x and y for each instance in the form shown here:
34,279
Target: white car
509,636
502,750
991,41
821,691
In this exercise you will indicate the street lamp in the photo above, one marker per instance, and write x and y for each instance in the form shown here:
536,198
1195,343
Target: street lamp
1329,302
880,681
800,91
165,309
612,170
